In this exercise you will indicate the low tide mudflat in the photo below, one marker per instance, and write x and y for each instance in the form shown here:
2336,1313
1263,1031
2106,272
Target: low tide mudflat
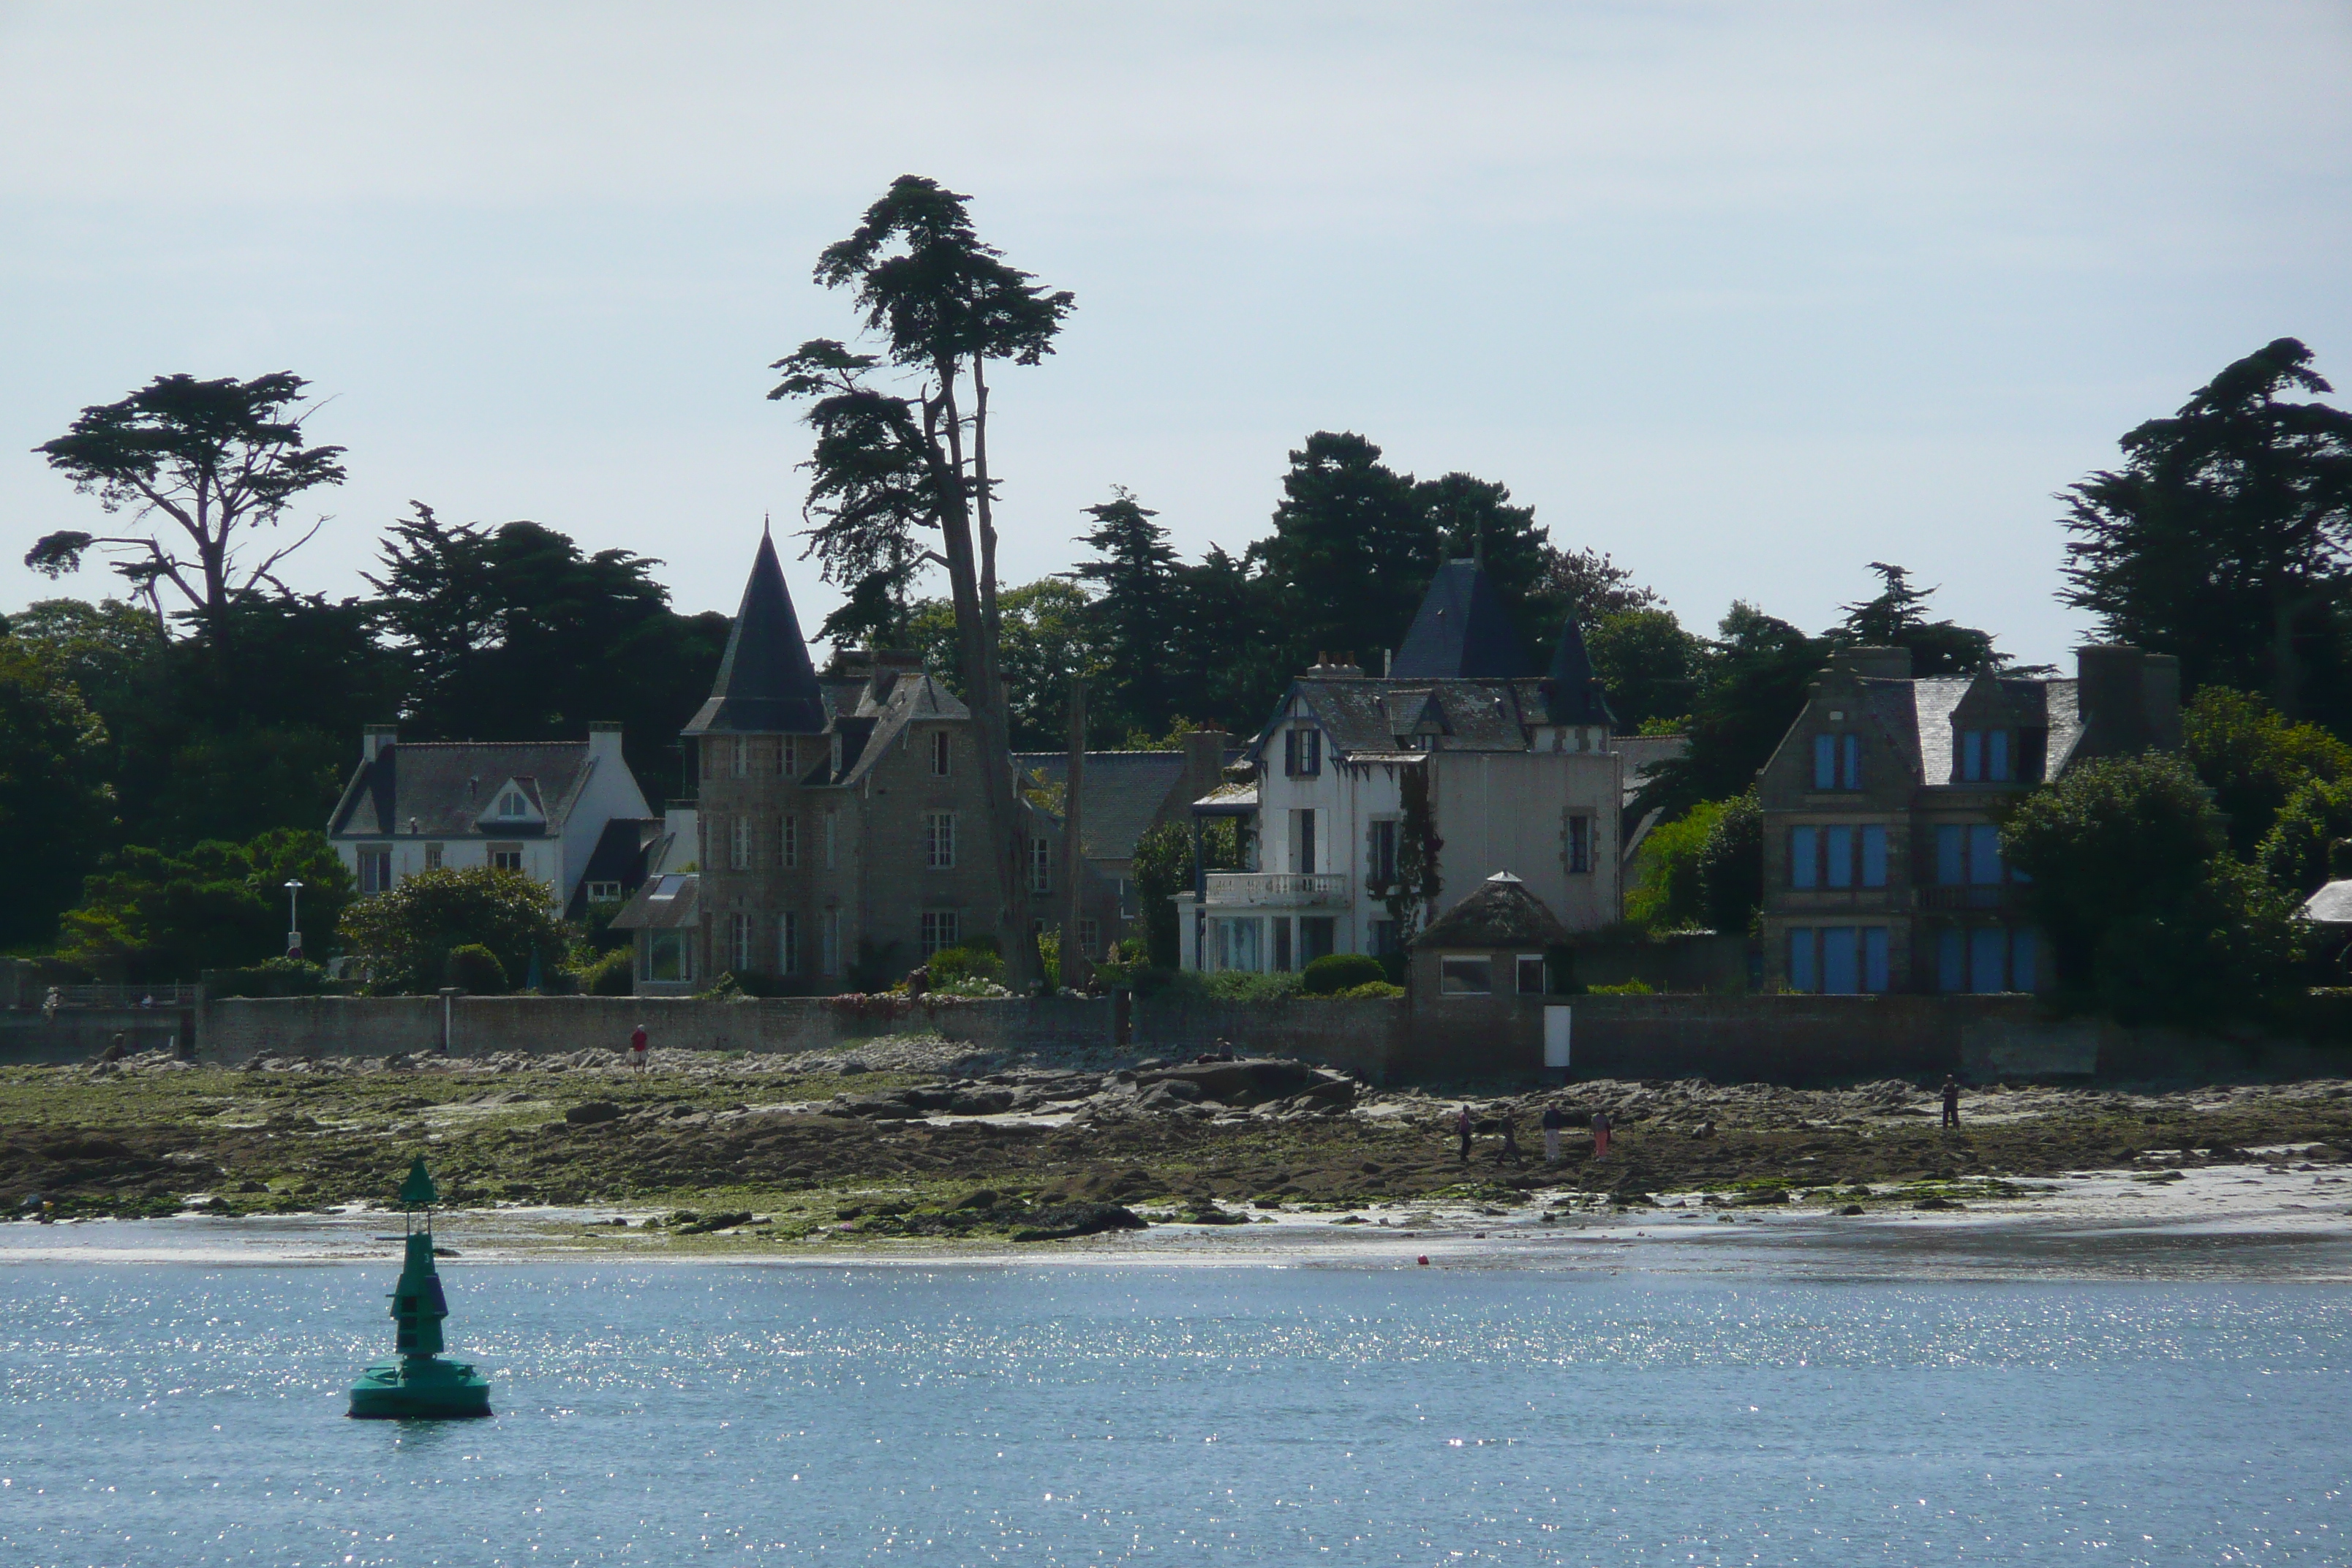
913,1141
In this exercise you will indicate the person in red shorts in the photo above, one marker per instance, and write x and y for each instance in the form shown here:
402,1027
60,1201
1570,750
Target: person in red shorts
637,1048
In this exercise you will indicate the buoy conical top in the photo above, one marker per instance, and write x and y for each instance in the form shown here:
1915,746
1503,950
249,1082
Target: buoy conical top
418,1191
419,1383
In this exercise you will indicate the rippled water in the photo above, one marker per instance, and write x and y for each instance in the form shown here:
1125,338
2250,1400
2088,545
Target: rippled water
190,1414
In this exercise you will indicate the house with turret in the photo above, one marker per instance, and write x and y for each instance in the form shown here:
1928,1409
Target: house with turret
840,828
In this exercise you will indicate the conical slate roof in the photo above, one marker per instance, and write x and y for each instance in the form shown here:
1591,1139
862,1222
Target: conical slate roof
766,684
1572,693
1462,633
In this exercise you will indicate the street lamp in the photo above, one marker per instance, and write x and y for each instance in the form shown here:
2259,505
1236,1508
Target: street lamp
294,917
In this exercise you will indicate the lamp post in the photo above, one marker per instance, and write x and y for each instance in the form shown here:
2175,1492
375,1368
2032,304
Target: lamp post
294,917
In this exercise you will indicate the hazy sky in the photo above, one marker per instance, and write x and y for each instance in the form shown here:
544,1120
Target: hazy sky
1746,295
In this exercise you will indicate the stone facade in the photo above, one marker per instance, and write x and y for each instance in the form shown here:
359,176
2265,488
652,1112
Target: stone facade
1882,861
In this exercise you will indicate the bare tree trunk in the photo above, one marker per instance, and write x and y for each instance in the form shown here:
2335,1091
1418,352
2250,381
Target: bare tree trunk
1075,963
983,686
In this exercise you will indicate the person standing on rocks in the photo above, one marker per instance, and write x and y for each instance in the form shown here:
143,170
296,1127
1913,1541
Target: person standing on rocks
1601,1134
1951,1101
1552,1123
1510,1149
1462,1127
637,1048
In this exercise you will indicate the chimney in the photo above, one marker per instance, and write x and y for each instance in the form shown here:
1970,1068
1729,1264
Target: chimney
604,742
1204,762
377,738
1874,663
2112,692
890,665
2160,697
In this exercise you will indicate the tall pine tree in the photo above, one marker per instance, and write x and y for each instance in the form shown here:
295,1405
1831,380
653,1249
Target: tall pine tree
1138,596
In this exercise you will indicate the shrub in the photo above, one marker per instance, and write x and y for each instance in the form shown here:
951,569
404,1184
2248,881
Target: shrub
1731,867
613,974
1667,892
273,977
1625,988
1370,988
406,934
952,966
475,968
1337,971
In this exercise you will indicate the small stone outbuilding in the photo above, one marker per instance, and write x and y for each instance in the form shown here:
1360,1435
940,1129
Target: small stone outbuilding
1480,976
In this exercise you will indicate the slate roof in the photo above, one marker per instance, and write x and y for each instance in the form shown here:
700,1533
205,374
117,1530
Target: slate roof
619,856
1502,913
670,901
443,787
1915,715
1125,793
1572,693
1462,632
867,733
2331,906
766,684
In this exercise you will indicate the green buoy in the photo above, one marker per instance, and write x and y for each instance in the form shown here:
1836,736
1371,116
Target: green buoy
419,1383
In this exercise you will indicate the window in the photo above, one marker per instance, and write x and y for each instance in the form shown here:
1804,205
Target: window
1838,856
1384,934
829,943
603,893
1302,752
739,844
787,757
1580,843
433,856
831,819
511,805
1237,943
739,943
941,929
1282,944
740,756
939,840
1532,974
1382,871
1041,865
1985,755
939,753
1984,855
1986,958
1089,938
1318,936
788,846
1302,841
836,753
788,943
1838,960
1837,762
666,956
375,867
506,856
1466,975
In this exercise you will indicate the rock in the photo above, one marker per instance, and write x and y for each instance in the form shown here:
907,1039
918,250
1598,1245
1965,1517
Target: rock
985,1198
706,1225
1936,1204
1208,1213
1850,1209
588,1112
1249,1081
1067,1220
874,1107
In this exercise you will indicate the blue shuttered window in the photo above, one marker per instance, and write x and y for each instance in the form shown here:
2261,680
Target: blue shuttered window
1951,854
1825,761
1837,847
1984,855
1804,857
1874,856
1839,959
1804,974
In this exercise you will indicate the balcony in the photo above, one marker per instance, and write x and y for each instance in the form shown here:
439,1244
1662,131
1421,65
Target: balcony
1277,889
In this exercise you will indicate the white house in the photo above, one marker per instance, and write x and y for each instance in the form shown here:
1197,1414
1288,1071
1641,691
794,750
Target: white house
1518,772
568,813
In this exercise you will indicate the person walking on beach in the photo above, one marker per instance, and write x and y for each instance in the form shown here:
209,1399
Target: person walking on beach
1462,1126
637,1048
1951,1101
1510,1149
1552,1123
1600,1135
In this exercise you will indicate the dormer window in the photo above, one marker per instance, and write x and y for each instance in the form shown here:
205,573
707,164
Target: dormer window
512,805
1302,754
1837,762
1986,756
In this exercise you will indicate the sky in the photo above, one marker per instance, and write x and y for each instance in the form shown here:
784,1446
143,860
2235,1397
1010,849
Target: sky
1747,295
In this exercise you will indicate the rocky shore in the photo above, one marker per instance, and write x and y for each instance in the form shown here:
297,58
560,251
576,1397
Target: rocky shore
918,1137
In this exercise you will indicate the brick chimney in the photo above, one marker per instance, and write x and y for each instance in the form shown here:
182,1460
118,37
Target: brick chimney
376,738
2112,693
604,742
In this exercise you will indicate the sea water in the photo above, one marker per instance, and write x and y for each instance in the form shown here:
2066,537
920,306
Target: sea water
191,1413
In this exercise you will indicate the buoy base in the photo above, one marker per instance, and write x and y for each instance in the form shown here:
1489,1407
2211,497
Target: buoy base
419,1387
